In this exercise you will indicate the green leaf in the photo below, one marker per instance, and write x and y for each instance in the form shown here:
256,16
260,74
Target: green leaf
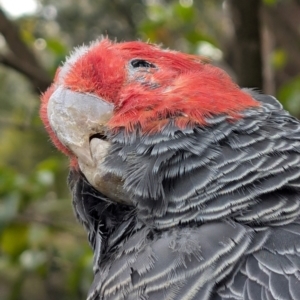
289,95
56,46
185,13
50,164
279,59
14,239
270,2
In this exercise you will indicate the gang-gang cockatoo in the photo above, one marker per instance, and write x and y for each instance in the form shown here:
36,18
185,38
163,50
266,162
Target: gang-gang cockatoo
188,186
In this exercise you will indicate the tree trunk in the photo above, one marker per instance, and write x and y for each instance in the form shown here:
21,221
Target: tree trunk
247,56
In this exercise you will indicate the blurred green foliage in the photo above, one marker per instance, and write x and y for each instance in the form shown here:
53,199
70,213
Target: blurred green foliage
44,253
39,237
289,95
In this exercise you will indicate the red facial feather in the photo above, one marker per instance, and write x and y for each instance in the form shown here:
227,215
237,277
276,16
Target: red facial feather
101,71
183,87
186,88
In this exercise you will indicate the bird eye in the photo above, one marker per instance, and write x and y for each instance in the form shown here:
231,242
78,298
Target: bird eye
140,63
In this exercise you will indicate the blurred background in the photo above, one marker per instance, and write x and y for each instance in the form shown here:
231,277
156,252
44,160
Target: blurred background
43,251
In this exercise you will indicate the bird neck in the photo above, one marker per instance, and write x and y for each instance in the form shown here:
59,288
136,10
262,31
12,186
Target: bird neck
233,170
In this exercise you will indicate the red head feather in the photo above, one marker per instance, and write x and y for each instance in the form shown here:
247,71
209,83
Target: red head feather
179,86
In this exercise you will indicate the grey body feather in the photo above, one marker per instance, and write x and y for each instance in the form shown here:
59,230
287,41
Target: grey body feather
216,211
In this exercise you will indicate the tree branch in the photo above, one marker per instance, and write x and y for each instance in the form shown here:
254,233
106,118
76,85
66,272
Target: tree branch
35,74
21,57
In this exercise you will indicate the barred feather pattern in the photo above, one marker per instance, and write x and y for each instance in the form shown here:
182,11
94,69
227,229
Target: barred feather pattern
216,211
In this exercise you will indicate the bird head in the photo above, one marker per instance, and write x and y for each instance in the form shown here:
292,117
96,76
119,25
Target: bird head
133,88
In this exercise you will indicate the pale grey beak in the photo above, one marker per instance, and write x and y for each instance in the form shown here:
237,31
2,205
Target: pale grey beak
75,117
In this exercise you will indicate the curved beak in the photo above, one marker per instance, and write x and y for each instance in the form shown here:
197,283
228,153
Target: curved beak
75,117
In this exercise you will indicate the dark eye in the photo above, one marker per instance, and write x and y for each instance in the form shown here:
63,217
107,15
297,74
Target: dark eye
140,63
